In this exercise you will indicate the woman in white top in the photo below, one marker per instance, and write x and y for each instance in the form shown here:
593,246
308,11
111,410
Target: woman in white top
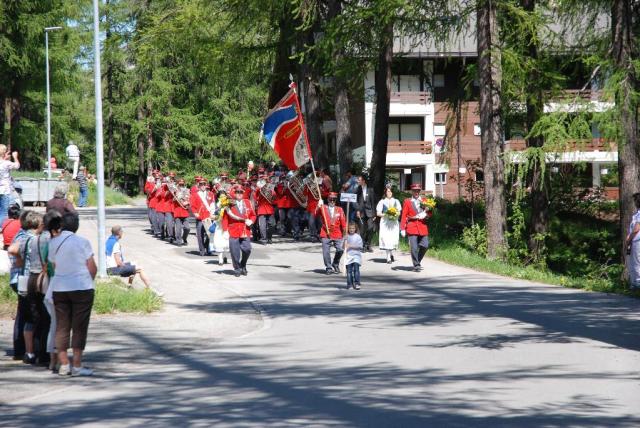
220,238
633,245
71,289
389,229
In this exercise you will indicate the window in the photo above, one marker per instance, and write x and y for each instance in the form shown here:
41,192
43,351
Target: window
476,129
441,177
479,176
438,80
405,131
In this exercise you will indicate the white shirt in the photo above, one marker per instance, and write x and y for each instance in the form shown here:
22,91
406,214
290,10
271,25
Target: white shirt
5,176
111,260
72,151
70,258
364,193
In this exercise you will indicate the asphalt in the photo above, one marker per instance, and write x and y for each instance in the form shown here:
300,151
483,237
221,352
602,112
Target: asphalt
289,346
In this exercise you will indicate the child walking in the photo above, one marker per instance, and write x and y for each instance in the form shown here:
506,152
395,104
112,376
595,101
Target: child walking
353,247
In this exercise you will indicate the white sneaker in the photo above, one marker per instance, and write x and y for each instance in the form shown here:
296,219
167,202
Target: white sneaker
156,291
65,370
81,371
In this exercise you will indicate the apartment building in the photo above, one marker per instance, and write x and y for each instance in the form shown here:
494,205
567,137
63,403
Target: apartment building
427,145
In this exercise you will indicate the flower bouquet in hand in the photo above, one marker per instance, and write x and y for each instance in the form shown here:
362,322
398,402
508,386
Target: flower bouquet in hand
427,203
225,203
392,214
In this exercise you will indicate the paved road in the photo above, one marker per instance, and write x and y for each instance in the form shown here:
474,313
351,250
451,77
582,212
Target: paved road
288,346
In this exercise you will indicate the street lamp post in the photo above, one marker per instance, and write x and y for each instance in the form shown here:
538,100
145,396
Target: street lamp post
102,263
46,50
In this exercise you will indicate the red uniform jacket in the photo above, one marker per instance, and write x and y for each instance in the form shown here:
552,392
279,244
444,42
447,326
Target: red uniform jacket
238,228
413,226
337,223
263,207
312,204
198,208
153,197
179,211
161,197
148,187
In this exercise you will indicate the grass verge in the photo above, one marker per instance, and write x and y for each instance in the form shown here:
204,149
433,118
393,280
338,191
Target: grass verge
455,254
112,296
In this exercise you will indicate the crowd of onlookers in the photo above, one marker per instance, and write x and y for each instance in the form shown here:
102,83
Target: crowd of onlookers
52,271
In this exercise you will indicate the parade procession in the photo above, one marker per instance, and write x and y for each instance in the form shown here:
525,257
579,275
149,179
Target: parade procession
292,200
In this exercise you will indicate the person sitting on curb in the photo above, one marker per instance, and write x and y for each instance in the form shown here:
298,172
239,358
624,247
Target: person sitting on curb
116,266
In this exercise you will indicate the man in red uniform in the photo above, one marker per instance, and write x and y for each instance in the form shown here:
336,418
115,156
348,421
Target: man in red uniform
314,215
238,221
265,211
168,208
148,188
181,213
335,223
202,205
194,188
413,224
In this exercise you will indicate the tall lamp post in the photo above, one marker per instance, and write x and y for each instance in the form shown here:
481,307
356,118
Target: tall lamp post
46,53
102,263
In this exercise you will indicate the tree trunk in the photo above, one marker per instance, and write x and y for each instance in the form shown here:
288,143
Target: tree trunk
142,173
381,131
539,224
341,105
624,54
314,119
282,66
111,159
492,146
8,114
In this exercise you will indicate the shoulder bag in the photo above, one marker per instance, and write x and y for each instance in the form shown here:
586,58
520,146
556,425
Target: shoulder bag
23,279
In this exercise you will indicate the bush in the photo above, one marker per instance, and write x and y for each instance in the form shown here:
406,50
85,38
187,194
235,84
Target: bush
112,297
474,238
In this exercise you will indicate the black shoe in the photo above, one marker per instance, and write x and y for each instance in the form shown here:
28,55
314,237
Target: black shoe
28,360
392,258
208,253
18,357
237,272
244,271
329,271
417,268
224,260
336,268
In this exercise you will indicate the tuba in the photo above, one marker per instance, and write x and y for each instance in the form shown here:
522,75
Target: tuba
295,185
311,184
266,190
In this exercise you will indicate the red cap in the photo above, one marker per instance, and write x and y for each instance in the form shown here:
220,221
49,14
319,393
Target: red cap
197,178
237,188
202,180
172,174
181,181
333,195
416,186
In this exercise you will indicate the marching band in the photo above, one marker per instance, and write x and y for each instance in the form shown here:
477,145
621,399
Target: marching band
231,213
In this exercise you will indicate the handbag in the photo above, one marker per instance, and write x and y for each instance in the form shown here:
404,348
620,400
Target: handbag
42,281
23,280
212,228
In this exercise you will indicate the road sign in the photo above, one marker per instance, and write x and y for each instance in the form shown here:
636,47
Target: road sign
348,197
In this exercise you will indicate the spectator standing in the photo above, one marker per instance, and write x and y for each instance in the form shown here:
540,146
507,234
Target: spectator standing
71,289
6,187
59,202
633,245
83,184
349,185
73,158
15,271
11,226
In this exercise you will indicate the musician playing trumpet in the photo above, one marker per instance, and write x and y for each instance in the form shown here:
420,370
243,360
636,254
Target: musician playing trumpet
265,196
181,213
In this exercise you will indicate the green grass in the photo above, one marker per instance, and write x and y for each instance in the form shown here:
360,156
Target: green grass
111,297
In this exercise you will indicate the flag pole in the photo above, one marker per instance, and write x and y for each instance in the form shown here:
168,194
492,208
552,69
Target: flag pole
294,87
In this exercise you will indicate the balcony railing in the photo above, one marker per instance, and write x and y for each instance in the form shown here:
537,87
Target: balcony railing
597,144
412,97
410,147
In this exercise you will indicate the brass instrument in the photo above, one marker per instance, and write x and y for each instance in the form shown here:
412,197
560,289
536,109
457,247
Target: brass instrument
267,192
312,185
295,185
182,197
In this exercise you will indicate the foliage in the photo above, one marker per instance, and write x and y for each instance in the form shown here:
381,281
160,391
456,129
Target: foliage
112,297
474,238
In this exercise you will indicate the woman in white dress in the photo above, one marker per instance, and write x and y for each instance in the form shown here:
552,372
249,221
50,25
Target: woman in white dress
389,228
220,238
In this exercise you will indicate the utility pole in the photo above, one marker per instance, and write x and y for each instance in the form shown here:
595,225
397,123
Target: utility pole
46,53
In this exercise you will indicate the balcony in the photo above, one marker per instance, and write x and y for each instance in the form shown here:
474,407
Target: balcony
410,147
411,97
595,145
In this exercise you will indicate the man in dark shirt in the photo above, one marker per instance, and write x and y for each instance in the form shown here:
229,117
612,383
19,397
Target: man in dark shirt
59,201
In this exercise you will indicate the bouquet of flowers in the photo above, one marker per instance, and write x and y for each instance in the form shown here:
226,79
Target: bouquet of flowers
392,214
225,203
428,203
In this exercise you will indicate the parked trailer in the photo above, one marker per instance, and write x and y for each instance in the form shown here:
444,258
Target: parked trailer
37,190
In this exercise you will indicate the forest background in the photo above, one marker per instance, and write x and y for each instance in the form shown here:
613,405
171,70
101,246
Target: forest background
186,84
